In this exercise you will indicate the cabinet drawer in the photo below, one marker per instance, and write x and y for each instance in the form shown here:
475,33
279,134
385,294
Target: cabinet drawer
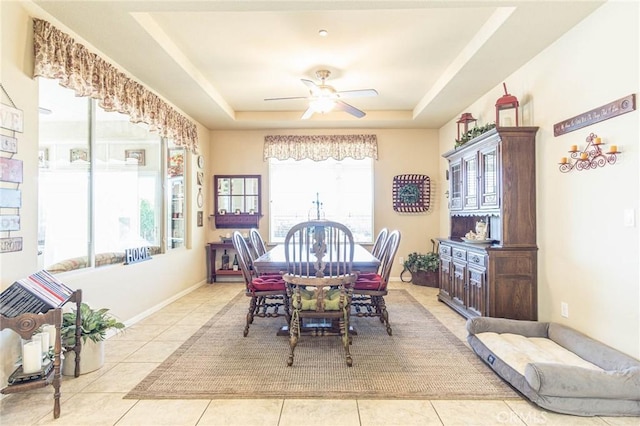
459,254
445,250
476,259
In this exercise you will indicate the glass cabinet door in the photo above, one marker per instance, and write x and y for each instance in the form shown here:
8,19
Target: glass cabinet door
489,178
470,179
455,176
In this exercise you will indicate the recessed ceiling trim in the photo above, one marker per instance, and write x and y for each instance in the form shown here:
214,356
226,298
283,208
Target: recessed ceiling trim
329,116
490,27
164,41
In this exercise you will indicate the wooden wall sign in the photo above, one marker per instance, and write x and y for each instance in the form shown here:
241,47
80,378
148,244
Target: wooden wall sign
11,118
10,244
10,198
8,144
9,222
10,170
605,112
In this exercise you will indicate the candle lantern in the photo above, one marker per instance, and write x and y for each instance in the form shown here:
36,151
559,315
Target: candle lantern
505,103
465,119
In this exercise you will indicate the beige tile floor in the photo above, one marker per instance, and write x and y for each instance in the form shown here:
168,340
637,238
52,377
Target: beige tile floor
97,398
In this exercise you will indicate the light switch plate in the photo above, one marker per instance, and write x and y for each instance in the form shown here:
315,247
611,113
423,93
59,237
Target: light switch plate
629,218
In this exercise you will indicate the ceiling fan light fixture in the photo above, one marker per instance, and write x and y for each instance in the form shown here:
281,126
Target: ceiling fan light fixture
322,105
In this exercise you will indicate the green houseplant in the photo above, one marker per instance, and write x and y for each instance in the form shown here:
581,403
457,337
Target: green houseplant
423,268
94,326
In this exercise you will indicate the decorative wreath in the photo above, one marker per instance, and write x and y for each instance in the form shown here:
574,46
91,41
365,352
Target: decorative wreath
411,193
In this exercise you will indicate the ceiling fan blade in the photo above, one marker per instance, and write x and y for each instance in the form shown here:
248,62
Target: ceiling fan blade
315,90
343,106
362,93
284,99
307,114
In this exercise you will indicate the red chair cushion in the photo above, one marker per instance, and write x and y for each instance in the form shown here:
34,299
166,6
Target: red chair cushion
267,284
271,276
373,283
370,276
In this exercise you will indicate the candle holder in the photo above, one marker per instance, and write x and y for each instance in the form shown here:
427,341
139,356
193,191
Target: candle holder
592,157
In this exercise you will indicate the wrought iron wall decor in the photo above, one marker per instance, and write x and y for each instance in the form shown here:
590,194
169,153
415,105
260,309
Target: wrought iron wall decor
592,157
411,193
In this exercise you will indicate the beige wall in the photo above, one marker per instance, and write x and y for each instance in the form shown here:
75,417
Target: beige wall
129,291
587,258
399,152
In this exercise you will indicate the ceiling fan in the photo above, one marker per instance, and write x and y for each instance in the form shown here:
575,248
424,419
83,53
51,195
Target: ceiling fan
324,98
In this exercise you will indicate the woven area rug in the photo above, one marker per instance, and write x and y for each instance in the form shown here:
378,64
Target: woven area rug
422,360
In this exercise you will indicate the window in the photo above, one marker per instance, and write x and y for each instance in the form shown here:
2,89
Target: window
127,183
63,185
344,189
100,182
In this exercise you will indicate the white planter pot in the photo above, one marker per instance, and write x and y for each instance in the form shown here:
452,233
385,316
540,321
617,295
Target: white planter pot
91,358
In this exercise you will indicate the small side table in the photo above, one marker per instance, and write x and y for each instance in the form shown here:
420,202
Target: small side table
211,260
25,325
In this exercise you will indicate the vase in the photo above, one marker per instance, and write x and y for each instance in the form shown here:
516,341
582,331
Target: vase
425,278
91,358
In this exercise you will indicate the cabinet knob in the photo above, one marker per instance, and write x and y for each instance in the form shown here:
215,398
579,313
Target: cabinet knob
475,259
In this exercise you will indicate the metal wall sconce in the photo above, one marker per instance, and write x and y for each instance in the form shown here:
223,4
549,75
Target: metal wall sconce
591,157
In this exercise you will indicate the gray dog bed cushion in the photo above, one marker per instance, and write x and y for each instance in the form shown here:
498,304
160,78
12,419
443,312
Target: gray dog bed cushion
558,368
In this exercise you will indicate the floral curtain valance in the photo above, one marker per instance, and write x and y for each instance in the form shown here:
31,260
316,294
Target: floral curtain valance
58,56
320,147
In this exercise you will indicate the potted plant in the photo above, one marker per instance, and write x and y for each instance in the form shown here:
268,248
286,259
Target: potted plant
95,324
423,268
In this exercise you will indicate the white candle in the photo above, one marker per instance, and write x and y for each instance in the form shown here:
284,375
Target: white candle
44,341
51,329
32,356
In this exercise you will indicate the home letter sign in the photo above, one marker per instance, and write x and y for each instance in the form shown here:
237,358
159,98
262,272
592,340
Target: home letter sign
134,255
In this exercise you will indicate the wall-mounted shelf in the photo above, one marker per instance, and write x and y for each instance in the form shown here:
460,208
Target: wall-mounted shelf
237,201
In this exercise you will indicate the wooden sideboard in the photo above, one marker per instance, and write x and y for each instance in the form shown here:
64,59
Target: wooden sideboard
492,179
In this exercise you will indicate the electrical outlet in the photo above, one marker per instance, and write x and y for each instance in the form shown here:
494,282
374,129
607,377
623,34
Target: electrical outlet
401,260
564,309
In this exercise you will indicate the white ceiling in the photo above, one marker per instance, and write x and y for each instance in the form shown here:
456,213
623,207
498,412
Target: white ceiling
218,60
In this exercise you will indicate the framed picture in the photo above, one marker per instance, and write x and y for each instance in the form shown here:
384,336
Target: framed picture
79,154
199,178
136,154
200,216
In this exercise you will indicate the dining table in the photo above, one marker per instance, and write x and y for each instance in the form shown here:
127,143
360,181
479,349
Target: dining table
275,262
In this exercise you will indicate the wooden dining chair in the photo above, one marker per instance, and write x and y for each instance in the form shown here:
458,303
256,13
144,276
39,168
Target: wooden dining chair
259,247
378,245
319,281
369,289
267,292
